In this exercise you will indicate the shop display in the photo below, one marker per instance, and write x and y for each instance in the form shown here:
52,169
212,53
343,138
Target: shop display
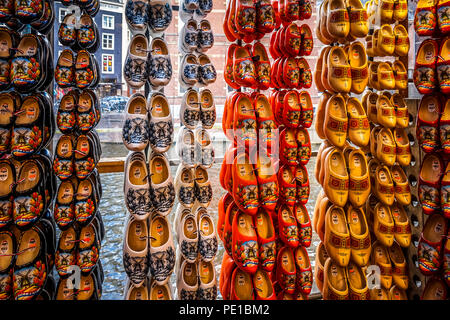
77,153
430,79
27,126
148,245
263,221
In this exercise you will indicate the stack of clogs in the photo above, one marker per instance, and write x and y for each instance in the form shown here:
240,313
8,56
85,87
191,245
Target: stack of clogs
148,246
27,126
263,221
194,225
77,153
430,78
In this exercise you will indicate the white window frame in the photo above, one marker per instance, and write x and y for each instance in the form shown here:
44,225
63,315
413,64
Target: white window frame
61,11
104,26
112,63
112,41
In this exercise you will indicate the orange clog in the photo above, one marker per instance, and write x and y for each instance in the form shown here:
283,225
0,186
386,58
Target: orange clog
287,226
286,272
265,232
244,243
245,184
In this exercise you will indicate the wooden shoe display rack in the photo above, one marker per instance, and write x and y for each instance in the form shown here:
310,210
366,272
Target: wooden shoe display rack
27,185
76,155
263,221
148,245
197,242
431,252
363,214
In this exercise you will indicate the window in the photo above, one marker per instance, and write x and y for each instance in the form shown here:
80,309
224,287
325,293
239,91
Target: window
62,14
108,41
108,63
107,22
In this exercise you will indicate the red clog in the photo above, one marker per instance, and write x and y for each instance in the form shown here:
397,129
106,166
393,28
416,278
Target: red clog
288,147
303,146
305,9
245,126
305,74
244,72
287,185
304,277
287,226
443,64
443,20
286,272
266,125
245,18
427,123
430,245
265,232
226,273
245,184
425,19
446,259
231,21
228,74
307,42
291,73
292,40
307,109
292,110
425,68
245,243
262,65
304,225
224,202
230,36
263,286
241,286
232,210
301,177
429,182
265,16
272,46
267,182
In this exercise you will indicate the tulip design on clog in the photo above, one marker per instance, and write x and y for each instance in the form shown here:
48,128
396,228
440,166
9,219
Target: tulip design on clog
429,180
430,245
244,243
